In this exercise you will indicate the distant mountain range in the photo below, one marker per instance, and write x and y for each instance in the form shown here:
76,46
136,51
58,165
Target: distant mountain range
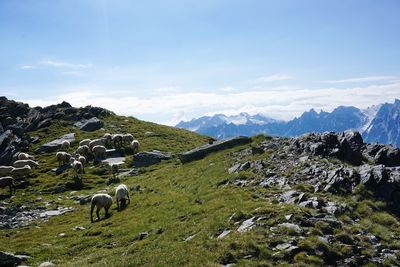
380,123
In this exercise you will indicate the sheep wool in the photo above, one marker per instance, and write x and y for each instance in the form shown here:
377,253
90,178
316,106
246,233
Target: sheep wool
121,195
5,170
100,201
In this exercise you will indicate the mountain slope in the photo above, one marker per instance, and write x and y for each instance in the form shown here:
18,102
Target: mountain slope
254,204
385,127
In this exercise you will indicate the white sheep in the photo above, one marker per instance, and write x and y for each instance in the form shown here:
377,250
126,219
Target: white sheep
114,170
65,145
22,163
100,201
83,150
127,138
85,142
23,156
108,138
62,157
21,172
81,159
99,152
7,181
135,146
97,142
5,170
121,195
77,166
117,140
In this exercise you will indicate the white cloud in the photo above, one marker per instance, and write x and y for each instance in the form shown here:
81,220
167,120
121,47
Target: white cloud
26,67
228,89
364,79
273,78
60,64
277,103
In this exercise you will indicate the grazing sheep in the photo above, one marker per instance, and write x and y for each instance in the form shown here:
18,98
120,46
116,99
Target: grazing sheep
63,158
23,156
99,152
5,170
22,163
21,172
83,150
81,159
127,138
85,142
97,142
108,138
100,201
77,166
114,170
121,195
7,181
65,145
135,146
117,140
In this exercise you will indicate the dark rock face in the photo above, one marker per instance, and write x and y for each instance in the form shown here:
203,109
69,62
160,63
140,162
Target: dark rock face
202,151
341,180
8,259
346,146
7,150
351,143
17,119
55,144
146,158
90,125
383,180
20,118
388,156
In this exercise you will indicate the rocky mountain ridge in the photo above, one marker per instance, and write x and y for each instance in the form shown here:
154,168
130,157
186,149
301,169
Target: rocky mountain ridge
380,123
17,120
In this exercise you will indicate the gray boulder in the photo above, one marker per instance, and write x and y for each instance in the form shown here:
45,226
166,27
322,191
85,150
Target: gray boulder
8,259
372,175
388,156
7,149
146,158
90,125
55,144
202,151
385,182
351,143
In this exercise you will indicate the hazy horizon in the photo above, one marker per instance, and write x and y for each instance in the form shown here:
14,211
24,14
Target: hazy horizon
166,61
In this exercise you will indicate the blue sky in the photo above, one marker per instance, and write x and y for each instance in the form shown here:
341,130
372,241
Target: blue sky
165,61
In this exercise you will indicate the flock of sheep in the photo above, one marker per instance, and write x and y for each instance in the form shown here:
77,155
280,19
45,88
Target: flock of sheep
87,149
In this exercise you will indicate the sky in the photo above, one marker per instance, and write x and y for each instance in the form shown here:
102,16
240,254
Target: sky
170,60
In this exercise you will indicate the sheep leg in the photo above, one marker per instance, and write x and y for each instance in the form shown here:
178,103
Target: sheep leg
129,199
91,213
98,214
118,204
107,215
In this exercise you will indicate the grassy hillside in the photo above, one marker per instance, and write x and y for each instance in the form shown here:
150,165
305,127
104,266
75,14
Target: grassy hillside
177,211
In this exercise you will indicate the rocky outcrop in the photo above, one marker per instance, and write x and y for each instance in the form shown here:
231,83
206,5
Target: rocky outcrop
146,158
9,259
202,151
347,146
89,125
55,144
18,119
